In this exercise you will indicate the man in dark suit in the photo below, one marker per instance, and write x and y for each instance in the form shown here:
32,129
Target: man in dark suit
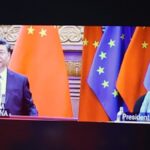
14,87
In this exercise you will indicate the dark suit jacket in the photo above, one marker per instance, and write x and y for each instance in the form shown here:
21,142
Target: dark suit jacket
138,104
18,96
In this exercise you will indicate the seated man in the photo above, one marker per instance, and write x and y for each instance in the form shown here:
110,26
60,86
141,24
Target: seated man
14,87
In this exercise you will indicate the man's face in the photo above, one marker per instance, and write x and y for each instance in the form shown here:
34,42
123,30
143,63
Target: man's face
4,56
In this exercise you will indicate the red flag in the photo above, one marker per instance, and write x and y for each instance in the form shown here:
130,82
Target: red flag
90,108
130,81
38,54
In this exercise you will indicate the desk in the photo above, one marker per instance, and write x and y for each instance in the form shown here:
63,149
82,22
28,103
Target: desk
59,134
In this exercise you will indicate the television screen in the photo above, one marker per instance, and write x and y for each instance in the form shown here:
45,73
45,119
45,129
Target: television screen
87,73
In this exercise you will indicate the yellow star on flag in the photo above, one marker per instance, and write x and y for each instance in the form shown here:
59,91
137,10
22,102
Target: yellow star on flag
85,42
30,30
115,93
43,32
111,43
144,45
100,70
122,36
102,55
95,44
105,84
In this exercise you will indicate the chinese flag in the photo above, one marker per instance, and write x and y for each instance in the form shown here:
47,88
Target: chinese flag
38,55
90,108
130,81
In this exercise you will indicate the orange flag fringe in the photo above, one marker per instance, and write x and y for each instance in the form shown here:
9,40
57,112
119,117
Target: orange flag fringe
38,55
130,81
89,107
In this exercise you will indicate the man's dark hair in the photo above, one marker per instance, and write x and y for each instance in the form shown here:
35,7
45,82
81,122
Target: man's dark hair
4,42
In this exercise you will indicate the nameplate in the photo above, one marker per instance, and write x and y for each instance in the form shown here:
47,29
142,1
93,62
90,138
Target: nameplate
4,112
135,117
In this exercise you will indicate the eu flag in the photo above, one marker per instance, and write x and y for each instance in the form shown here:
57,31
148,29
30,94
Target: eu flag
106,65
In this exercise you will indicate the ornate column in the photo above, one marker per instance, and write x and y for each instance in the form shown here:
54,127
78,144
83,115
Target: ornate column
71,38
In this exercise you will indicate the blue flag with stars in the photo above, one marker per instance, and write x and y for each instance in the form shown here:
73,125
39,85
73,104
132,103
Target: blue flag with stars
106,65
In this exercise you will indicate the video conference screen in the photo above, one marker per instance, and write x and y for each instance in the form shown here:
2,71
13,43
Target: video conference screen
86,73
